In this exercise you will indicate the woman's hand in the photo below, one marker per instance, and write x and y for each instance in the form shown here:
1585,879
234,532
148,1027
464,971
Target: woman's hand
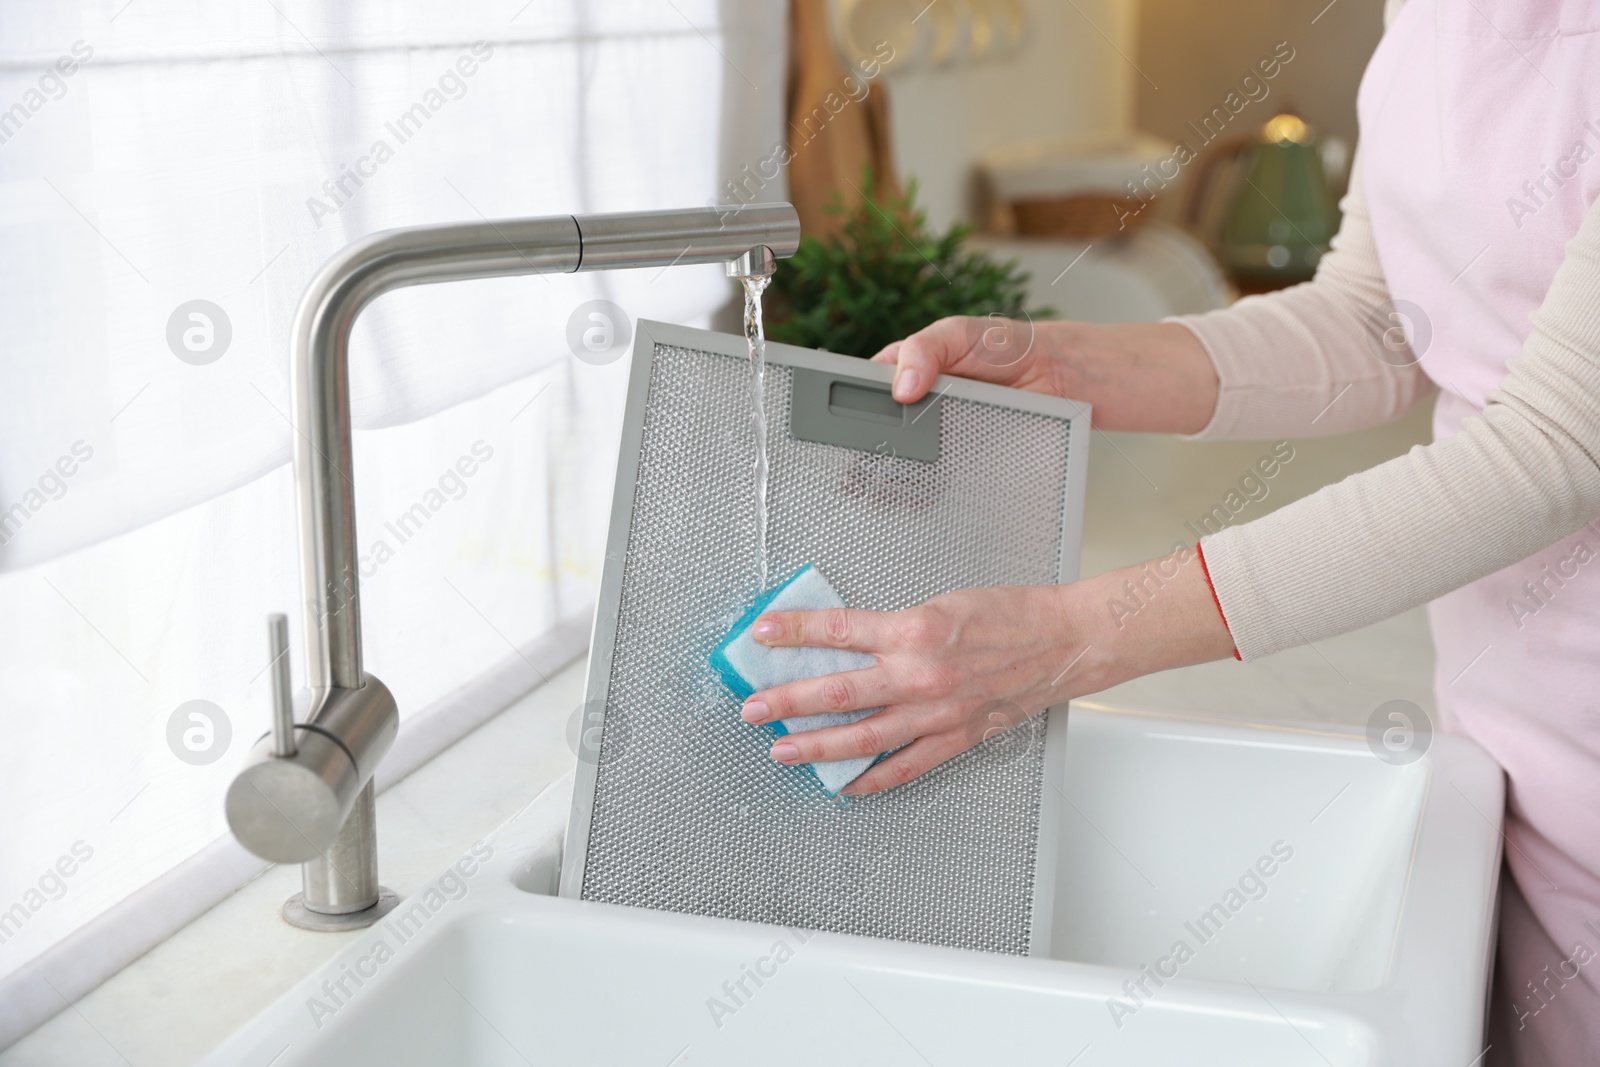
948,674
974,662
987,348
1147,377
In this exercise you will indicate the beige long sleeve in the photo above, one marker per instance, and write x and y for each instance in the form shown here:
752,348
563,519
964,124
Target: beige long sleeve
1306,361
1516,479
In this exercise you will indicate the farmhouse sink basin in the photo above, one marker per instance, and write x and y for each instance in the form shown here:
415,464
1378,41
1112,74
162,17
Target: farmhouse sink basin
1225,895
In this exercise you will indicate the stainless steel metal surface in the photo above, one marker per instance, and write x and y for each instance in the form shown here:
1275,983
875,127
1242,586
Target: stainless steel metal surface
759,262
683,810
283,745
343,880
341,890
291,809
692,235
319,372
315,806
296,913
320,359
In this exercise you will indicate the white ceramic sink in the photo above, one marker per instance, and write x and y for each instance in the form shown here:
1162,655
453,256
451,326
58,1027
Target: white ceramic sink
1350,907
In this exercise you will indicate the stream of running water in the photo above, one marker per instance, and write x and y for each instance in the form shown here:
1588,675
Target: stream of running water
756,338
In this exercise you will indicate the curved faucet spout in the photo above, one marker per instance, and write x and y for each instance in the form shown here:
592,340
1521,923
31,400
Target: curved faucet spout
324,479
308,793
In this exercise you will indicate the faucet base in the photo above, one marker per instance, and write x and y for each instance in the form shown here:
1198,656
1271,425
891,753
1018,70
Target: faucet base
295,913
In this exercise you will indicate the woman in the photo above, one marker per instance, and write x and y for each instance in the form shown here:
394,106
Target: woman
1468,264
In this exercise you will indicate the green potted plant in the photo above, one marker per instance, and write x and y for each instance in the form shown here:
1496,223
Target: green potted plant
884,276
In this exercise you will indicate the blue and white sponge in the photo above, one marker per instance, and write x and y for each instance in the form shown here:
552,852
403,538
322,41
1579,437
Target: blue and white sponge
747,666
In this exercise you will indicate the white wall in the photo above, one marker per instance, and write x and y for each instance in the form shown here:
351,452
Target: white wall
1068,80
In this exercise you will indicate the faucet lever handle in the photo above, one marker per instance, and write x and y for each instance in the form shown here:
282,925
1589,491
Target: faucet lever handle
283,744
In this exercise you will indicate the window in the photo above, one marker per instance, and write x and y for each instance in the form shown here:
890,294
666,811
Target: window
171,175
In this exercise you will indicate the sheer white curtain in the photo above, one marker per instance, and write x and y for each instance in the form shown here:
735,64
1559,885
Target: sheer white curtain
171,174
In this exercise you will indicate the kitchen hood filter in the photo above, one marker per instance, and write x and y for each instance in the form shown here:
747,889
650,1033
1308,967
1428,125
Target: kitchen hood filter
677,805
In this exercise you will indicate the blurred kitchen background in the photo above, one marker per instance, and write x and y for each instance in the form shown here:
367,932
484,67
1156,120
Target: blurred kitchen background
1057,132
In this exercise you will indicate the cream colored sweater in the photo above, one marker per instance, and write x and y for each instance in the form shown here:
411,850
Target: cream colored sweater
1513,481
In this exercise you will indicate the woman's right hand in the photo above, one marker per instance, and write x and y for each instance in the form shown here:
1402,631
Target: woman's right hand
1142,377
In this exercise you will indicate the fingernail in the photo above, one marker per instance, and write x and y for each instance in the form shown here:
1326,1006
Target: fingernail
785,752
906,384
767,629
755,711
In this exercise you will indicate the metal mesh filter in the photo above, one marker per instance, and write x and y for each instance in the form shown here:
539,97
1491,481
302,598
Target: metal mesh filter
689,813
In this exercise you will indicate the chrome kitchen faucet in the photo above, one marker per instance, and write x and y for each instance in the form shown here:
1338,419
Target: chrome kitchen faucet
306,796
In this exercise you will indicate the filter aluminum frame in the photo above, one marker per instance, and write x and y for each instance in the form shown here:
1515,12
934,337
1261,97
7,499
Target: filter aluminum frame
604,646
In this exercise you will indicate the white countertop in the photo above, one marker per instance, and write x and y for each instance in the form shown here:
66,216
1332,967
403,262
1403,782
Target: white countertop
181,999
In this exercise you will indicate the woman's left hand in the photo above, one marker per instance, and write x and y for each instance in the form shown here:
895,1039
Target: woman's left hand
974,662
